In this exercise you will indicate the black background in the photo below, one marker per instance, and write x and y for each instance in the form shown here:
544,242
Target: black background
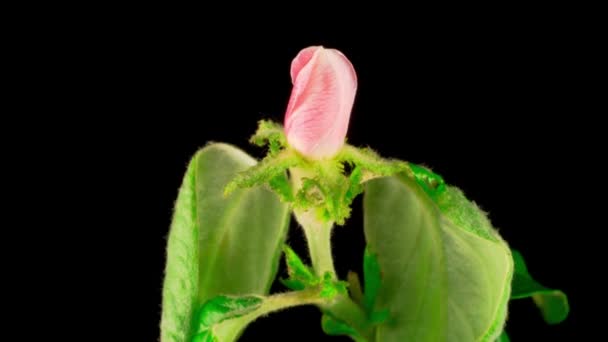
500,109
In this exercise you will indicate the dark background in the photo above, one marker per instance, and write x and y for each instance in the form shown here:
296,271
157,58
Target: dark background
500,109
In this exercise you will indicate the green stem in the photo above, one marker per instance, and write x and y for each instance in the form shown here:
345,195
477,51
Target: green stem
342,307
318,236
318,233
346,310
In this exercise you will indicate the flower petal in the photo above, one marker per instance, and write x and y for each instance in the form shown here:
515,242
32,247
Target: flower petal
318,113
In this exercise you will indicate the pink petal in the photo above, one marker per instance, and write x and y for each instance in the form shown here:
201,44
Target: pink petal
318,113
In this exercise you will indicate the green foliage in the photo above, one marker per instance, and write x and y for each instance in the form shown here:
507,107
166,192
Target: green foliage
335,327
205,336
553,304
331,287
465,214
440,280
354,287
300,275
434,268
219,309
430,182
218,245
372,278
503,337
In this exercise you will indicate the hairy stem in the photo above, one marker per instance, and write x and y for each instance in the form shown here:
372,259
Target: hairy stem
318,236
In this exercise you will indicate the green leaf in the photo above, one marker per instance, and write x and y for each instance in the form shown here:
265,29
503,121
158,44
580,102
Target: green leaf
553,304
220,308
218,245
354,287
372,279
300,275
445,272
430,182
205,336
503,337
335,327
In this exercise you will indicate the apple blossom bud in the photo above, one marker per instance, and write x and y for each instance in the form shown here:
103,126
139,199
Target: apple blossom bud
317,116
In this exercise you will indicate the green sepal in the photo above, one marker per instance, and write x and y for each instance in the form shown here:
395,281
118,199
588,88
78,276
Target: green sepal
355,186
271,134
281,186
312,195
326,188
553,304
293,284
271,167
371,163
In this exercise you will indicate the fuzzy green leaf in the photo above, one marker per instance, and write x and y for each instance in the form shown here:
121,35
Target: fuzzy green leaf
503,337
220,308
553,304
372,278
293,284
218,245
442,279
354,287
205,336
430,182
335,327
300,275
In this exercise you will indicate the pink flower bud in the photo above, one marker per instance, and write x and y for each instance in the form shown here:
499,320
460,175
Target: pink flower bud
324,87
